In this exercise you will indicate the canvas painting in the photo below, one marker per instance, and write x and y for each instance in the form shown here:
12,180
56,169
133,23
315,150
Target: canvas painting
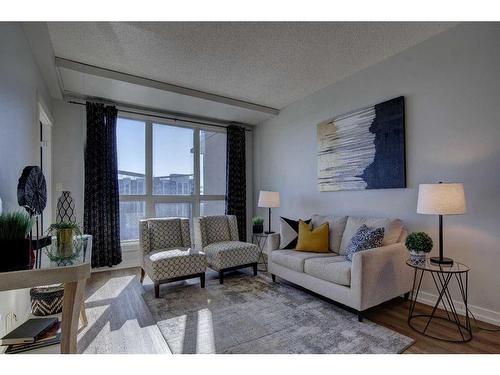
363,149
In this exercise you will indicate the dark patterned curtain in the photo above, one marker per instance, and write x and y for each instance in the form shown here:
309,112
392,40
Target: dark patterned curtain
236,177
101,204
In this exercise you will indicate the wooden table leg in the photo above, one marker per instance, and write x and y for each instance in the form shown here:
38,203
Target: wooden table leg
73,298
83,316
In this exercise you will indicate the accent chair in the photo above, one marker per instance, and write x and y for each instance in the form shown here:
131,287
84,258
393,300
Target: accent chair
167,252
217,237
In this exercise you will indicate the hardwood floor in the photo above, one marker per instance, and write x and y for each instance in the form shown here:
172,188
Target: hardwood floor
120,322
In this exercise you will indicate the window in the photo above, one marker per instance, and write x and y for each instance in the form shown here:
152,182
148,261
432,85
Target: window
131,147
168,171
173,172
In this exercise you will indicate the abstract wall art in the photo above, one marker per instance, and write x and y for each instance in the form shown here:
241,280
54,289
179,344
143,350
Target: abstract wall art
363,149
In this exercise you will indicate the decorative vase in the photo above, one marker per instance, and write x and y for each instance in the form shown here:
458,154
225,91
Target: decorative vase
258,228
66,208
417,257
65,242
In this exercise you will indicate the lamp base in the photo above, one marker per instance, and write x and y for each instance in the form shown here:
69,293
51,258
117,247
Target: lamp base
442,261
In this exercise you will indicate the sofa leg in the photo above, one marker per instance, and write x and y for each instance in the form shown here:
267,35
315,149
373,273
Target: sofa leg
254,266
142,275
157,290
360,316
221,277
406,296
202,280
273,277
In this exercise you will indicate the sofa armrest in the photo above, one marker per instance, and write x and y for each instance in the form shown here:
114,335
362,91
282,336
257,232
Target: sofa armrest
272,243
380,274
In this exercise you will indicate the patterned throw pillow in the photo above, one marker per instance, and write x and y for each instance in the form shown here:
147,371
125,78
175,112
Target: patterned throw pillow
289,232
365,238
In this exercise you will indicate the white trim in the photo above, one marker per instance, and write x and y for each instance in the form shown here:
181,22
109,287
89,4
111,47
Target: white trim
129,259
482,314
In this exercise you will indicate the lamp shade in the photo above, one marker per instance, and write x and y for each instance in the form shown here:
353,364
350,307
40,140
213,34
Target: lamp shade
441,199
269,199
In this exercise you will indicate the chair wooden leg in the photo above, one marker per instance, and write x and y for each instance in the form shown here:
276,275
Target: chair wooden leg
142,275
254,266
202,280
273,277
221,277
157,290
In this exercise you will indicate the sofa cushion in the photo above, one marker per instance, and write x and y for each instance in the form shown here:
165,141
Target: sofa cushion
334,269
336,226
289,232
392,229
294,260
364,239
313,240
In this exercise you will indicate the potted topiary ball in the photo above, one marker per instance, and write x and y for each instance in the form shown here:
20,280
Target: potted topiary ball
258,224
418,244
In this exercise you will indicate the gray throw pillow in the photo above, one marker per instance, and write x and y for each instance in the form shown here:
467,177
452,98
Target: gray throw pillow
365,238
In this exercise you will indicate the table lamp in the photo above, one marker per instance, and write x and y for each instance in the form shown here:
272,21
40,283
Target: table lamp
269,199
441,199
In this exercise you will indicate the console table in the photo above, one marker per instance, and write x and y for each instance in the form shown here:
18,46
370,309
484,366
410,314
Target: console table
73,276
442,276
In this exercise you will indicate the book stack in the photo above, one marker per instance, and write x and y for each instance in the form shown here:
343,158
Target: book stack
32,334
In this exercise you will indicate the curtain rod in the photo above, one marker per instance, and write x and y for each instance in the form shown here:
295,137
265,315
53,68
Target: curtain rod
166,117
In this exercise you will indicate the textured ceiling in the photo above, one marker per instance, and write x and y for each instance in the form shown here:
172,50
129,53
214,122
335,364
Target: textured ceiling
272,64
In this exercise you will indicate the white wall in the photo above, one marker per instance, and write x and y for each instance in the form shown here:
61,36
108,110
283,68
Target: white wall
451,86
68,147
21,88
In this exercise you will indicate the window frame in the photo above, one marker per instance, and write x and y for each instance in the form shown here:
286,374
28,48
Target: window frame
196,198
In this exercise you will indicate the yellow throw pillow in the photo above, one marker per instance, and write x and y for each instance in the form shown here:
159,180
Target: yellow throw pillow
313,240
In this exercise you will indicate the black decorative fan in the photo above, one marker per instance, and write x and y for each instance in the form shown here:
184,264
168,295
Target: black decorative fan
32,190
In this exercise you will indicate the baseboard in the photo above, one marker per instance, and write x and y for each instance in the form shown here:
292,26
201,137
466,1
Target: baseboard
129,259
482,314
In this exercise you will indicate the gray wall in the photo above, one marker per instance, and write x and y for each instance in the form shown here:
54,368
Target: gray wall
21,88
451,86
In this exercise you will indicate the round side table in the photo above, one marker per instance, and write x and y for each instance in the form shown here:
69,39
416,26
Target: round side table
260,240
442,276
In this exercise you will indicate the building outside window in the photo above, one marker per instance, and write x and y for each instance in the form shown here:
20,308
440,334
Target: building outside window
157,175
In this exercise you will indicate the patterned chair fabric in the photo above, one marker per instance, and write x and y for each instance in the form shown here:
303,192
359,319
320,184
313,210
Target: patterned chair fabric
168,264
217,237
159,234
226,254
211,229
165,244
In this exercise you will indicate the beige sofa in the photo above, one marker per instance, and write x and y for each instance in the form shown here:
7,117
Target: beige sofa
374,276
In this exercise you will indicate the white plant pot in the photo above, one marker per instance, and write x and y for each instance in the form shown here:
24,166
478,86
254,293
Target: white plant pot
417,258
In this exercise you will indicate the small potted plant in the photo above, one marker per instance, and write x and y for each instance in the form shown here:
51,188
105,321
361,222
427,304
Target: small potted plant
418,244
258,224
65,233
15,248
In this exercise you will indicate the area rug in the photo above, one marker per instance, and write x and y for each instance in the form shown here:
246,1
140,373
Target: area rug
254,315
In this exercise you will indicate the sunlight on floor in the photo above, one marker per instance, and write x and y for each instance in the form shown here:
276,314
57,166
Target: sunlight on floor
111,289
205,342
